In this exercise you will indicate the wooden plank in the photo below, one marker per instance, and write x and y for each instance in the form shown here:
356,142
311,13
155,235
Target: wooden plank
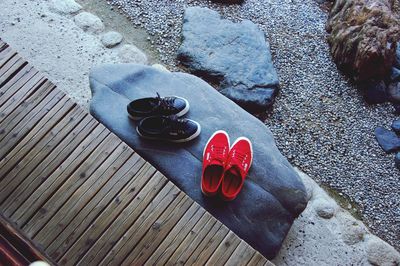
43,158
7,55
12,71
22,72
29,121
29,108
4,51
243,253
50,183
96,240
176,236
12,96
25,170
191,241
69,183
84,194
157,232
208,245
224,250
149,216
257,260
7,64
40,133
126,182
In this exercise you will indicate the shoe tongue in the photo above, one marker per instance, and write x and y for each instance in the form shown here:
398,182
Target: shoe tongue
216,162
234,171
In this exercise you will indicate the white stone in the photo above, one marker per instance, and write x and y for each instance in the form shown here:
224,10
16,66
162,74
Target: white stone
89,22
160,67
381,253
353,231
325,208
111,39
65,6
131,54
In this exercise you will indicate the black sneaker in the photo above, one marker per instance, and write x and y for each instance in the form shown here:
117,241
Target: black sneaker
157,106
169,128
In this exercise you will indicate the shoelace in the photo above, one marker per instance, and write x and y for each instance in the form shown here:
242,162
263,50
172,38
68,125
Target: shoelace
176,124
166,103
239,157
219,152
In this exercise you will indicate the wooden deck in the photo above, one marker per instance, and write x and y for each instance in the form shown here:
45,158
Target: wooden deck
83,196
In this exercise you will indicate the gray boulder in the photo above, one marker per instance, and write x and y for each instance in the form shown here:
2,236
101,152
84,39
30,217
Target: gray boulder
235,56
273,194
396,126
388,140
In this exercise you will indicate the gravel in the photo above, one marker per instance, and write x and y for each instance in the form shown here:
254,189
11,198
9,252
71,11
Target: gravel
320,121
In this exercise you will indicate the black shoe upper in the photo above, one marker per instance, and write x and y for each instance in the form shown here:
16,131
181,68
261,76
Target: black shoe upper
156,106
168,128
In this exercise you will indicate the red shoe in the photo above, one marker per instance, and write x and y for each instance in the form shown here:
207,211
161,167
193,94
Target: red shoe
214,157
237,167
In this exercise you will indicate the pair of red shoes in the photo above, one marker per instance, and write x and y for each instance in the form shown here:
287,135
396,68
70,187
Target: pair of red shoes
225,166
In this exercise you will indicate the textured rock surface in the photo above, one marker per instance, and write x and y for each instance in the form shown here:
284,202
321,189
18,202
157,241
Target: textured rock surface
393,92
375,92
340,240
65,6
131,54
387,139
235,56
273,194
363,36
380,253
395,76
111,39
396,126
397,160
89,22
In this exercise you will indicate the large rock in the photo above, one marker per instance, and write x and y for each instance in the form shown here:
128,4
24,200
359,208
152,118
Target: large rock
235,56
363,36
273,194
388,140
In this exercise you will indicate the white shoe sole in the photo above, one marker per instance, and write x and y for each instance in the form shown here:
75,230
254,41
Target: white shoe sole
180,114
195,135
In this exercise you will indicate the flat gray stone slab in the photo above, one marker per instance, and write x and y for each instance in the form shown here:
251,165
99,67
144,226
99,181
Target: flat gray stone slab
273,194
234,55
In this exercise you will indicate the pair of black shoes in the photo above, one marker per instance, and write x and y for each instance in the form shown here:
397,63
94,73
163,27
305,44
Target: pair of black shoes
160,119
